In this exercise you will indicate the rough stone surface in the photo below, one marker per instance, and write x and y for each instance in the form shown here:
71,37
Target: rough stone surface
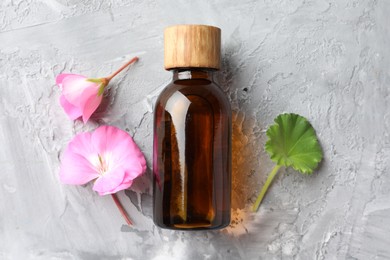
327,60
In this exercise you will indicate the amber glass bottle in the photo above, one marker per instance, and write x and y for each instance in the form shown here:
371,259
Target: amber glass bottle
192,135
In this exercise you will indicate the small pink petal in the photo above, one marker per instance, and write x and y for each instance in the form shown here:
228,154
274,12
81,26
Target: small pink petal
111,180
72,111
123,186
132,174
77,90
90,106
76,170
109,138
61,77
79,161
82,145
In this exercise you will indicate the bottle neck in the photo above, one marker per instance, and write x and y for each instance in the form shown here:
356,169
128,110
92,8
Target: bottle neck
193,73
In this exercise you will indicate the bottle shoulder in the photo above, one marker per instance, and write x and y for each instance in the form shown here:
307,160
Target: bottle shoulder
209,91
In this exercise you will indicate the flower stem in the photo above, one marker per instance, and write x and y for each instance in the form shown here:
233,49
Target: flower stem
121,209
121,68
265,187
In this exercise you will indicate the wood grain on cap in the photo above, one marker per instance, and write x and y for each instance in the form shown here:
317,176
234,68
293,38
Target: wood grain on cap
192,46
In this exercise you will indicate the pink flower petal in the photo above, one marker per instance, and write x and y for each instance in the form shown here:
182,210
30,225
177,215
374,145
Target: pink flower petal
123,186
130,175
76,170
75,167
82,145
79,161
124,151
72,111
110,181
61,77
77,90
90,106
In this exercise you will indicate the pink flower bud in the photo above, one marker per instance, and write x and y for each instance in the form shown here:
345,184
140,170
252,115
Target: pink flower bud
80,96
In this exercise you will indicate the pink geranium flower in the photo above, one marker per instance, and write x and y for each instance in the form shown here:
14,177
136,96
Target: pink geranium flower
108,155
81,96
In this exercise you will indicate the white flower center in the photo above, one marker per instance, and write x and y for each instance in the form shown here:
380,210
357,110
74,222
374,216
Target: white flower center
103,165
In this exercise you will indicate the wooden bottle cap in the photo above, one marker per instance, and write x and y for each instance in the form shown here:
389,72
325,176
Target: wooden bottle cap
192,46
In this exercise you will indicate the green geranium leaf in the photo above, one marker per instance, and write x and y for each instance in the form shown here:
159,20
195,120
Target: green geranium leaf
293,143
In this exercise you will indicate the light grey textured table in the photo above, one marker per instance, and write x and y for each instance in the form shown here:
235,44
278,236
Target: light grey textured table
327,60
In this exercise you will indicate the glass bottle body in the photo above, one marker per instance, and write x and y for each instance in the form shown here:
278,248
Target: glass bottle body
192,153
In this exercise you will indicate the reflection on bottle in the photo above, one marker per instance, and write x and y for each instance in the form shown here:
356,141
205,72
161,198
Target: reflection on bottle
177,106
